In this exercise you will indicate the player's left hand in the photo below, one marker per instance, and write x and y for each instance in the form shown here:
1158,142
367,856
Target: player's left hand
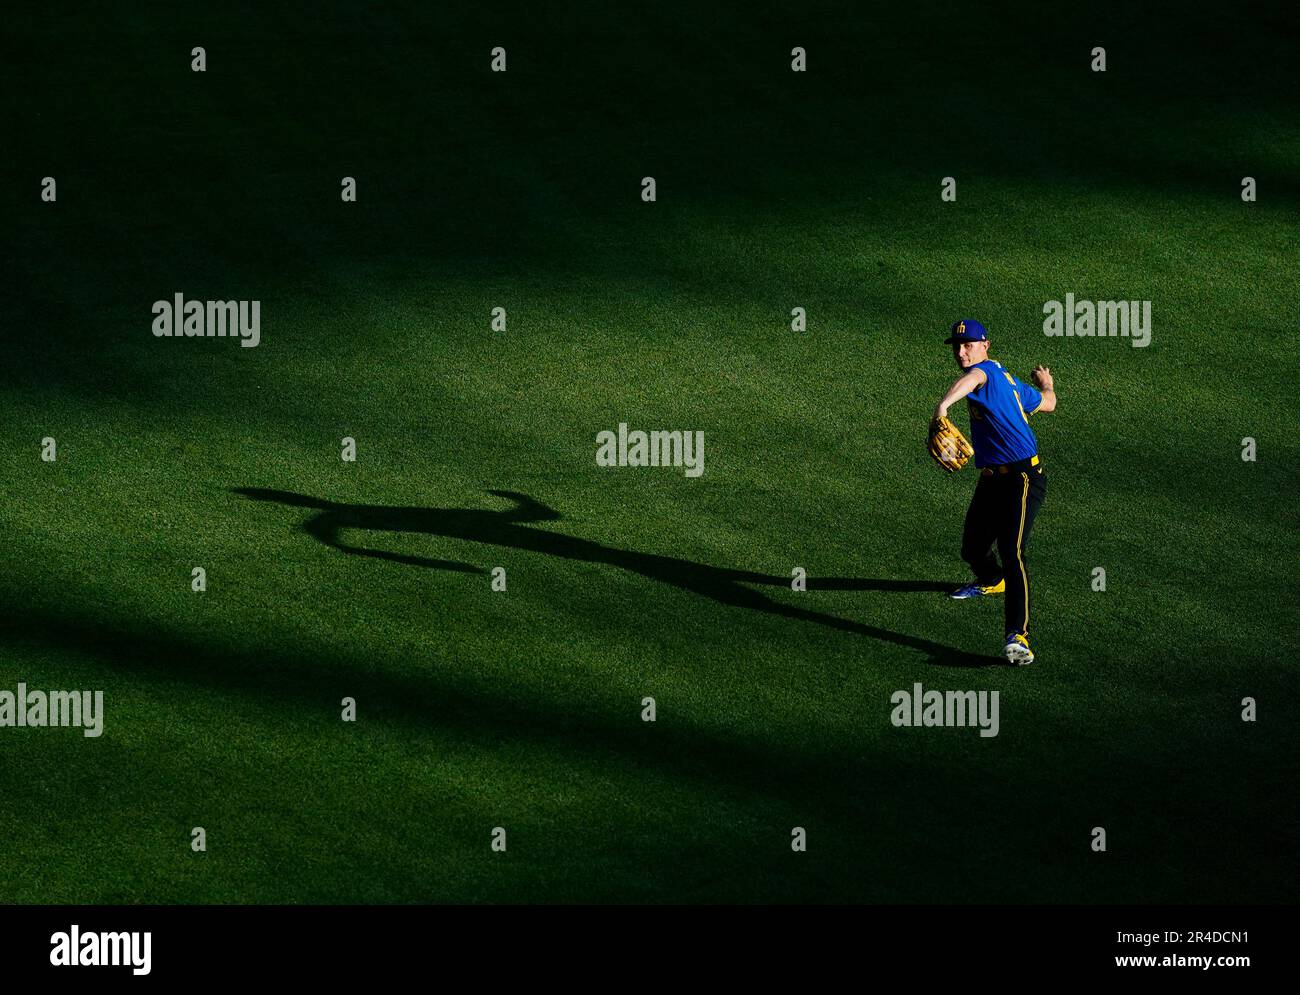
947,446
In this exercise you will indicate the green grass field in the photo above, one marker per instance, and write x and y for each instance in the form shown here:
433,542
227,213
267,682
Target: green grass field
522,709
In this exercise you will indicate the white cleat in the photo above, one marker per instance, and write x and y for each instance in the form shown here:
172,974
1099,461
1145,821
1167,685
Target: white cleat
1018,651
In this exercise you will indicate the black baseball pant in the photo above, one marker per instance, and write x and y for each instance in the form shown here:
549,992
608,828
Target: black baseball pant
1000,516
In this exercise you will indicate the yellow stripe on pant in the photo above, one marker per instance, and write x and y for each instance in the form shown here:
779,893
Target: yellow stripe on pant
1024,577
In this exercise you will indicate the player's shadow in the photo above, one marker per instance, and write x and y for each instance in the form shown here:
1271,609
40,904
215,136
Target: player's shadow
512,528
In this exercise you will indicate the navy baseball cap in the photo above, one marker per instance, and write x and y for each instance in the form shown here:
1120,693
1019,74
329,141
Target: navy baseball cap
966,330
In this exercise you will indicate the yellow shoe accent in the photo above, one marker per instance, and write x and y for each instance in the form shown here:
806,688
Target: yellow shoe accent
997,588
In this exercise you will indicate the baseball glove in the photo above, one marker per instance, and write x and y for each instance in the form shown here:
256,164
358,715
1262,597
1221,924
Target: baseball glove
948,447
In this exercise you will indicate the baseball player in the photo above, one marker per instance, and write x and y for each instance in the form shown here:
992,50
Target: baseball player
1011,485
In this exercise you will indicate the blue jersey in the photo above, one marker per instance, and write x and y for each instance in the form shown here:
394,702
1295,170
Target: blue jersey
999,417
